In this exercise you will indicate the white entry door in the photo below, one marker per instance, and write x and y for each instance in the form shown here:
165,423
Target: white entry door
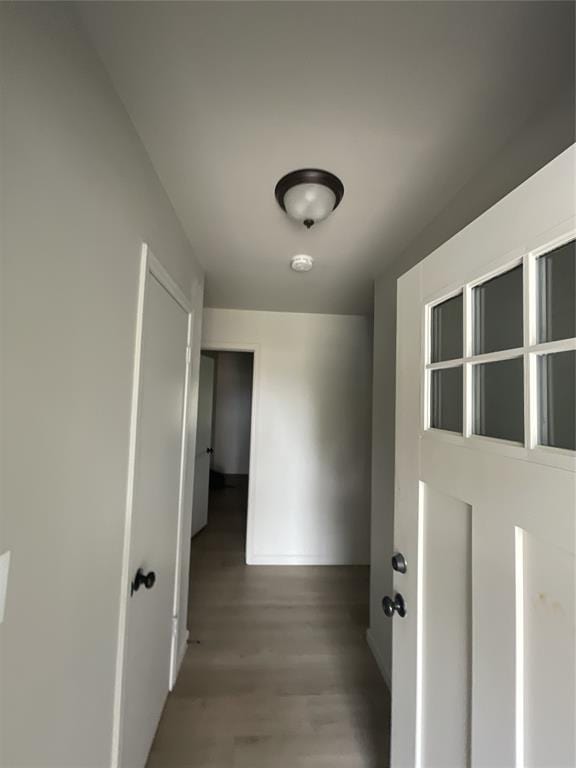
204,448
483,607
156,507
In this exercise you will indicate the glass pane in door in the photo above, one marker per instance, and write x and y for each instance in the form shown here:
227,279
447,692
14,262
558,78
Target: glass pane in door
557,294
557,401
446,406
499,399
498,312
447,331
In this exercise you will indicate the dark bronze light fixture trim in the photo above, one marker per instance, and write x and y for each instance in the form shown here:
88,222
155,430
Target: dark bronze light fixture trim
309,176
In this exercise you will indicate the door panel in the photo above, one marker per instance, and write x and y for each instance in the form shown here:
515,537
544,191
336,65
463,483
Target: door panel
155,520
506,494
484,661
203,444
546,632
446,628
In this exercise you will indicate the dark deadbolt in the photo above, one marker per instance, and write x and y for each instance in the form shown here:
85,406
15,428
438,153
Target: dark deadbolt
398,605
142,579
210,450
399,562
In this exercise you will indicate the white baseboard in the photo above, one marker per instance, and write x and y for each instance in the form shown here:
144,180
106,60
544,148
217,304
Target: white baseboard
297,560
372,644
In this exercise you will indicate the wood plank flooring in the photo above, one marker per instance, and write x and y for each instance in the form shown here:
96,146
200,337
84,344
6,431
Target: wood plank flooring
277,673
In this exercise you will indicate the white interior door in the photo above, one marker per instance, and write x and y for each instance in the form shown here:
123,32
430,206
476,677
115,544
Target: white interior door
484,602
155,519
203,444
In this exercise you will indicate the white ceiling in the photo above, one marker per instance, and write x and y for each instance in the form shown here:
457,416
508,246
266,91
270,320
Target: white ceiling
405,101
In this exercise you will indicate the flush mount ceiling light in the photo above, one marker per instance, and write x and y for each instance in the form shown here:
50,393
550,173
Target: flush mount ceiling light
309,195
301,263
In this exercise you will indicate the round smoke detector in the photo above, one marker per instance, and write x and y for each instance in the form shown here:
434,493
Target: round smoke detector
301,263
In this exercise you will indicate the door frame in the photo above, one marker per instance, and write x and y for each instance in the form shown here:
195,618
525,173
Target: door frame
150,267
194,530
253,348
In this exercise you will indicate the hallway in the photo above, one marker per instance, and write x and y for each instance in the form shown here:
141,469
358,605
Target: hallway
277,673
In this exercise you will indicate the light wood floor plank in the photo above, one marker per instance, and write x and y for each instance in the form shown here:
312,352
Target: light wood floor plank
277,673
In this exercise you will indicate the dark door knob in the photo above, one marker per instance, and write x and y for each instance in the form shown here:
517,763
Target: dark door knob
209,450
391,606
143,579
399,562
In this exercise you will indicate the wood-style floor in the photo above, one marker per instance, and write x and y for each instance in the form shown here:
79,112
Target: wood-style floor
277,673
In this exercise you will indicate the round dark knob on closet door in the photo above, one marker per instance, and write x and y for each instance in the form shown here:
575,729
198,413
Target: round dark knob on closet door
210,450
149,580
142,579
391,606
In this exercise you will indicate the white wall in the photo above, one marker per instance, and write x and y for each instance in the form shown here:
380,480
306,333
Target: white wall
310,486
549,132
78,198
232,413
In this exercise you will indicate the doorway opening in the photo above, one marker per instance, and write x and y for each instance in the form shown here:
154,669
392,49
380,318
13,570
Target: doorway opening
277,653
223,450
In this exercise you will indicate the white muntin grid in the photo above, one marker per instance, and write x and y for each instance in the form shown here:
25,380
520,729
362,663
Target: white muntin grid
530,351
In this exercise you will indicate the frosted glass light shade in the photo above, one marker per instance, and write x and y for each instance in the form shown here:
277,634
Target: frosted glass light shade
309,195
312,202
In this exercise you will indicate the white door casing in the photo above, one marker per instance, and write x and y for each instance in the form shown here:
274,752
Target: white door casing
483,661
148,645
203,444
